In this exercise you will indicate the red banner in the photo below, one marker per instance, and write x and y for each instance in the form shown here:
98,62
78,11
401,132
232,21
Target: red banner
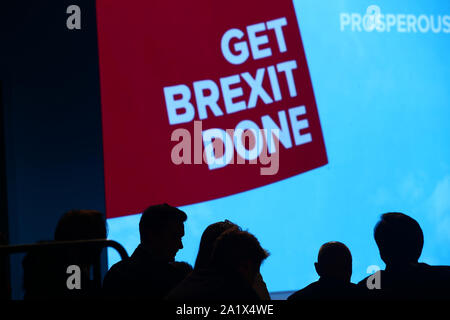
202,99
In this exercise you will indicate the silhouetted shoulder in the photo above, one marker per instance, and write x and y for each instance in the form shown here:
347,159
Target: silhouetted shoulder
363,283
306,292
113,272
442,272
213,285
328,290
141,276
418,281
435,279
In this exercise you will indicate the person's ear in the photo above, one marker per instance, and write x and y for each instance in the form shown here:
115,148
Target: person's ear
316,265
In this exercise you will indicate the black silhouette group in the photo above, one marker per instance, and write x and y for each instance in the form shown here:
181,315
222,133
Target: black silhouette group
228,264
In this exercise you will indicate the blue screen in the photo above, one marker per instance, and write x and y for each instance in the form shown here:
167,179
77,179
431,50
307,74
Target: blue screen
382,92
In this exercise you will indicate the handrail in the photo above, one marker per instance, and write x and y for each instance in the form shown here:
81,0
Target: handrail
100,243
8,249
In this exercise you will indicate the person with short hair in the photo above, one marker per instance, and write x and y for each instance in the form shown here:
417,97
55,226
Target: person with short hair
150,272
400,241
334,267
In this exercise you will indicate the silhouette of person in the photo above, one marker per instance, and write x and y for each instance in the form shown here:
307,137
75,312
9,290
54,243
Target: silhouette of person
184,267
150,272
231,273
207,241
400,241
334,267
45,271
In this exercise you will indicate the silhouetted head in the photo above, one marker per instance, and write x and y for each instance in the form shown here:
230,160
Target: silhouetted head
81,225
334,261
161,228
239,251
399,238
209,236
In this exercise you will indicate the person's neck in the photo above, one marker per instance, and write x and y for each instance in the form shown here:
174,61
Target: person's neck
154,253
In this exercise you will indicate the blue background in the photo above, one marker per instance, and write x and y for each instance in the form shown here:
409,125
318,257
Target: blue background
383,101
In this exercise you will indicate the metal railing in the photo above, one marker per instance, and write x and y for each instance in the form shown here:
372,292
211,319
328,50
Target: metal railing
94,243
